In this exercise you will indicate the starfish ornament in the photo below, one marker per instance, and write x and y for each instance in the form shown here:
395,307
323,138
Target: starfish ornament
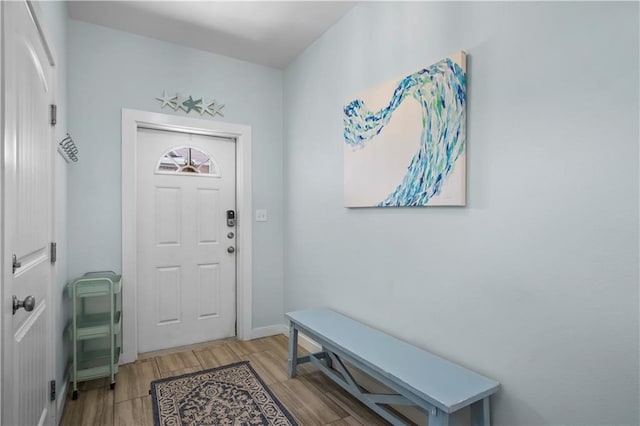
216,109
168,100
191,104
206,107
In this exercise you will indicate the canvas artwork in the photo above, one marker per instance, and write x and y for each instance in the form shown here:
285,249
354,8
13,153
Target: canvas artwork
405,140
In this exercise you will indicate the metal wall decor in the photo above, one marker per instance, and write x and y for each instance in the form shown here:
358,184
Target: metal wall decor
188,104
68,149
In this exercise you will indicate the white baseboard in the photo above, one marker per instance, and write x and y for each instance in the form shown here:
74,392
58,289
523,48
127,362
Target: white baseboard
270,330
273,330
62,400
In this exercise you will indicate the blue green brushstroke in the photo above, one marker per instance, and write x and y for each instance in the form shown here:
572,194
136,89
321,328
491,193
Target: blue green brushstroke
441,92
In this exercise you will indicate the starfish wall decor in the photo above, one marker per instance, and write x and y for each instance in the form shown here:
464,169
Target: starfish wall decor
188,104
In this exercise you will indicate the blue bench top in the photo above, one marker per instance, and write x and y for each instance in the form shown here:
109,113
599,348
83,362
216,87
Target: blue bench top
442,383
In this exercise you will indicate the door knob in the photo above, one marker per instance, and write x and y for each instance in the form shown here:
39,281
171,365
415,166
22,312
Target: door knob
231,249
28,304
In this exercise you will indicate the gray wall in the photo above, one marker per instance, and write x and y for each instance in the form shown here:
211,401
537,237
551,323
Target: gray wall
54,15
110,70
535,282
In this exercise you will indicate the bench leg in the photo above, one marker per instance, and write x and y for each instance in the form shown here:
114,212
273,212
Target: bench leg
480,415
327,358
293,350
438,418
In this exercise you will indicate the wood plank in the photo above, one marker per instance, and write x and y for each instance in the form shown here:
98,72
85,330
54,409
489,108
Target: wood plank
269,367
308,405
134,412
194,347
279,346
176,361
133,380
93,384
180,372
355,408
93,407
347,421
216,356
317,379
246,347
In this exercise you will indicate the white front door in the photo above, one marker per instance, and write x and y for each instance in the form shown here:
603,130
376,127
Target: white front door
186,279
27,365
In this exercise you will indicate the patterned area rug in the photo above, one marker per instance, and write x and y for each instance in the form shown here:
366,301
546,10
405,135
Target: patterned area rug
230,395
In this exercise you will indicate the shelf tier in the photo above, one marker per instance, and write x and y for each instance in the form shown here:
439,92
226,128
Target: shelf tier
98,285
89,366
91,326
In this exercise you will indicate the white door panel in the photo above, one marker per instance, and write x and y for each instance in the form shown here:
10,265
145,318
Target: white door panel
186,277
208,215
28,351
208,291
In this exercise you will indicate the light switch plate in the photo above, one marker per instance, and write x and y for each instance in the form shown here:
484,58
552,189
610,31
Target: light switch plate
261,215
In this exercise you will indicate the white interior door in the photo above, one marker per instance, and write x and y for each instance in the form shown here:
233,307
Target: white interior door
27,209
186,278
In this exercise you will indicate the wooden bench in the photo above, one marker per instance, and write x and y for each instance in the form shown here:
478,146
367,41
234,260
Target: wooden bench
418,378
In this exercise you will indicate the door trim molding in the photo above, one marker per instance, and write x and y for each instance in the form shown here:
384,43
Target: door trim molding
131,121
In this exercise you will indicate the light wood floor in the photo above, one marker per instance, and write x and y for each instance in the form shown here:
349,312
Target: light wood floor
311,398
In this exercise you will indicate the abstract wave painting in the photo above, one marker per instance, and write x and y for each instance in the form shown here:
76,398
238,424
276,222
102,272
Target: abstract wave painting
405,139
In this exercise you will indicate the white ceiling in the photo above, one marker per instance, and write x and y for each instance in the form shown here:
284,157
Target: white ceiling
271,33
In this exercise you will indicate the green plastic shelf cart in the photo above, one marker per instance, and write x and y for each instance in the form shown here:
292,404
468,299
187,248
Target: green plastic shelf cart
84,326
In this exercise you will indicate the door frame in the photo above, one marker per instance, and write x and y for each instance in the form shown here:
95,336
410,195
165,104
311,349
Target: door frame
5,259
132,120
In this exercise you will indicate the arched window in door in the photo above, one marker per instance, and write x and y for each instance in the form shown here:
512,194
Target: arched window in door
188,160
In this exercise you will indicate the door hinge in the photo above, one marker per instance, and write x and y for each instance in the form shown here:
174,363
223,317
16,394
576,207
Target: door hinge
54,252
54,114
16,264
52,394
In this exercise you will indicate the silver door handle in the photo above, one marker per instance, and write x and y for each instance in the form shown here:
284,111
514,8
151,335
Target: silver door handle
231,249
28,304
